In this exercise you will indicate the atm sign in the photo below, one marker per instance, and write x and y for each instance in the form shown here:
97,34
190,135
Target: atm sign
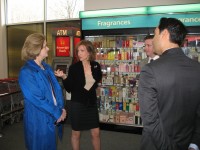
62,46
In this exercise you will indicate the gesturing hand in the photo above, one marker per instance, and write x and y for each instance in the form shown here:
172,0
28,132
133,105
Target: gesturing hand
59,73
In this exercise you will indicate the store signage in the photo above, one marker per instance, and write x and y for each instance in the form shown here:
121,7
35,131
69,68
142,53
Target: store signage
140,21
78,33
66,31
62,46
61,32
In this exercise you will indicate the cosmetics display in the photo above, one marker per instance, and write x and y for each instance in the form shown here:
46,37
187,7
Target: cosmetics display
119,57
119,40
191,47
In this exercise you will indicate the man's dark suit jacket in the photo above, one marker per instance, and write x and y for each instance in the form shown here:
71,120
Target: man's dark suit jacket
169,97
75,83
144,62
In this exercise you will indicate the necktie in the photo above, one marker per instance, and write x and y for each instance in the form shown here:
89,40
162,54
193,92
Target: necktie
151,60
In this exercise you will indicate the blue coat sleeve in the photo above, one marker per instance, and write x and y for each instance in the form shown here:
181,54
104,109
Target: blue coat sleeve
37,92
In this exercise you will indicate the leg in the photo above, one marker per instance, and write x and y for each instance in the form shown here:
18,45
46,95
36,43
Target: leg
75,140
95,133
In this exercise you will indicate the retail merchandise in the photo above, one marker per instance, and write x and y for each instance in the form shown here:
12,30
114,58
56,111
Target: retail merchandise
119,46
119,57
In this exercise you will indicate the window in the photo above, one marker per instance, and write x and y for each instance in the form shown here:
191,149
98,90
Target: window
21,11
16,35
64,9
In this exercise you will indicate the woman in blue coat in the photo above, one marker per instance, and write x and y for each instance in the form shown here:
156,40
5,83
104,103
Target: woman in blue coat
43,98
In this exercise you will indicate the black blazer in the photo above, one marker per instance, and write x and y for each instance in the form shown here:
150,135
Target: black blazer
169,97
75,83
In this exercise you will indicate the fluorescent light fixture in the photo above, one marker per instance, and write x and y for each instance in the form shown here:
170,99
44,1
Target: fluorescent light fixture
174,9
141,11
113,12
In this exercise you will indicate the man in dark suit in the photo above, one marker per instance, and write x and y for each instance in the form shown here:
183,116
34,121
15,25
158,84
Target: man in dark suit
169,93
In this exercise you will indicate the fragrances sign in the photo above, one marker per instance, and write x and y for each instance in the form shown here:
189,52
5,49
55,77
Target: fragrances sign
62,46
138,21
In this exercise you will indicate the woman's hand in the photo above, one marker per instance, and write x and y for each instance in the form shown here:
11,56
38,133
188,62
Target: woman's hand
59,73
63,116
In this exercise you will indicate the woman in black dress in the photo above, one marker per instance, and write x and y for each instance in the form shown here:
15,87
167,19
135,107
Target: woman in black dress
82,81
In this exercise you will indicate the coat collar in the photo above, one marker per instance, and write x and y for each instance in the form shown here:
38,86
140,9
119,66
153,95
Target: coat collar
33,64
92,64
177,50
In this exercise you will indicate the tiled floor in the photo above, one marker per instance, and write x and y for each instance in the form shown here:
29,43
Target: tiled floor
13,139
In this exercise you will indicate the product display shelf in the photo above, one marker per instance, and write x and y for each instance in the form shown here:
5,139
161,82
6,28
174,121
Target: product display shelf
117,93
119,57
119,52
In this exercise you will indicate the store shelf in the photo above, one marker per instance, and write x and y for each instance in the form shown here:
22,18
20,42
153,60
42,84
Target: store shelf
11,102
122,124
121,128
119,52
119,57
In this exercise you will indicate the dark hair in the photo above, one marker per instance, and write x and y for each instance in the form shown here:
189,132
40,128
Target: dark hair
148,37
176,29
90,48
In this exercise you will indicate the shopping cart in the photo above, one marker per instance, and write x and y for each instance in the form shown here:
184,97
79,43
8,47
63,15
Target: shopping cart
11,101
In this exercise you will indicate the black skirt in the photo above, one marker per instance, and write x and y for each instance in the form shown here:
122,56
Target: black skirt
83,117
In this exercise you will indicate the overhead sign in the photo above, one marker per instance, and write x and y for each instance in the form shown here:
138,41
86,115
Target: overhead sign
66,31
139,21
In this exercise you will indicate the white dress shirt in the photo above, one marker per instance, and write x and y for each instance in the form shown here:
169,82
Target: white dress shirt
155,57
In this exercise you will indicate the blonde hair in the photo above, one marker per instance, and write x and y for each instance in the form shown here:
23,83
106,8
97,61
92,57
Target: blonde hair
32,46
90,48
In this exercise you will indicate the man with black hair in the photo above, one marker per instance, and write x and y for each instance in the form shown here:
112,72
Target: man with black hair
169,94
